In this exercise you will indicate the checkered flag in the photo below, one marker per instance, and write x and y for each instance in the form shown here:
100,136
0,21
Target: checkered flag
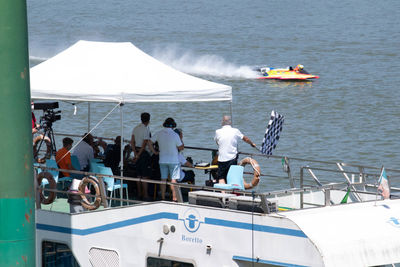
271,136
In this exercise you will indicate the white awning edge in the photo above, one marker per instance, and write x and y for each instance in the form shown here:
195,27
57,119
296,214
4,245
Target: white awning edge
117,73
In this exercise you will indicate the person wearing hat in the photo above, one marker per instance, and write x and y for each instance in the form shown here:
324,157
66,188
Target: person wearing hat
169,145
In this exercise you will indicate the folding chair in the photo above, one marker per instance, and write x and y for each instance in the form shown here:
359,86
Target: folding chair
112,185
234,178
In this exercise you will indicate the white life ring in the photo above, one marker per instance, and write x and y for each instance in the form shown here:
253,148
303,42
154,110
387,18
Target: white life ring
85,202
257,172
52,184
36,141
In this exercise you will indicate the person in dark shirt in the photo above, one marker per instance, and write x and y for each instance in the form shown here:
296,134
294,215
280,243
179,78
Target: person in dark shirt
112,156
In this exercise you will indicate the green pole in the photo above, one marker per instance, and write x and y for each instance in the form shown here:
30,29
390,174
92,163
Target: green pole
17,210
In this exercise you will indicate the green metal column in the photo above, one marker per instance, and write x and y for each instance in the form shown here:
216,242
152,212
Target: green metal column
17,210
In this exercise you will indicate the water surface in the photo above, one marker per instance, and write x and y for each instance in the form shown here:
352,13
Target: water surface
350,114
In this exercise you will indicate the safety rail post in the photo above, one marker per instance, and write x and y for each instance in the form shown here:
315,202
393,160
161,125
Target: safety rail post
103,193
362,176
301,187
178,193
327,194
286,168
264,204
17,193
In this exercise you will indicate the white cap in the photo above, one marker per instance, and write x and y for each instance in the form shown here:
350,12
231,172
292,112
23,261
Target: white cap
75,185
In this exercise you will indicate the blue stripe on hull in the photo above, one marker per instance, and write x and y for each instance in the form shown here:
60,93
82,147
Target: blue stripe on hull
171,216
255,227
107,227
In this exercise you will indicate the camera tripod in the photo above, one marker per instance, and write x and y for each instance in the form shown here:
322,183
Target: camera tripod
48,138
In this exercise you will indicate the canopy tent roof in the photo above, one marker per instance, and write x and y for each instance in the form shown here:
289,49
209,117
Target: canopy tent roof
117,72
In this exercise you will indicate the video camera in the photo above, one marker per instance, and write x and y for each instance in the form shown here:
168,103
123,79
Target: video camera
49,114
45,105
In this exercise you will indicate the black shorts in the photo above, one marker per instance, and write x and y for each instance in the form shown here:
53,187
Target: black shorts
223,168
143,165
189,177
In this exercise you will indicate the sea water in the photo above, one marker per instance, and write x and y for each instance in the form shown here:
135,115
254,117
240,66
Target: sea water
351,114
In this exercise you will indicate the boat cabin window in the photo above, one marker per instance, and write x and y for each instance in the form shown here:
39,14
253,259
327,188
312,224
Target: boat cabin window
57,255
157,262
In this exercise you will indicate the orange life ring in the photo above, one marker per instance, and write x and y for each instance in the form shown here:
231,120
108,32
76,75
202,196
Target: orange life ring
85,202
257,172
52,184
36,142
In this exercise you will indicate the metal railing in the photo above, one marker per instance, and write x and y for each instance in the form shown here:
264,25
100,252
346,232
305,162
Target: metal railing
326,189
367,177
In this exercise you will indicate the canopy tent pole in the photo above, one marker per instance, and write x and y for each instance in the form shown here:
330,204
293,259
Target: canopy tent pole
121,150
88,127
121,110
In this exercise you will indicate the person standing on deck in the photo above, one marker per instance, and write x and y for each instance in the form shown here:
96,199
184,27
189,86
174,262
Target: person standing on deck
143,149
35,126
169,144
227,138
185,175
63,157
84,152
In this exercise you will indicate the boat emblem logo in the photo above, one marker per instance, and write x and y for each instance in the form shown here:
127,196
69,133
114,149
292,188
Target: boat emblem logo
192,220
394,222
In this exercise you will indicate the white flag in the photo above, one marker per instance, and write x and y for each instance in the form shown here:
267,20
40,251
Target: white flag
383,187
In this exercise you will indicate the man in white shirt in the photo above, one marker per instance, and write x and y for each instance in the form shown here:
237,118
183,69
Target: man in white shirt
169,145
84,152
142,148
227,138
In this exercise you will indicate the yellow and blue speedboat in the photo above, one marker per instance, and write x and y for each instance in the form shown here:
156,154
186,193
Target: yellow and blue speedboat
293,74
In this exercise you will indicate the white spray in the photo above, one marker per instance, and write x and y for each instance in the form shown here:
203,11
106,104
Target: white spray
206,65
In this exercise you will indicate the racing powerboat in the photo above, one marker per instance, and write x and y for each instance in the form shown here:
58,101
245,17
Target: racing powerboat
289,73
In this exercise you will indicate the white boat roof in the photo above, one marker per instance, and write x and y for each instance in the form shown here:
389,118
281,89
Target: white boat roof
117,72
361,234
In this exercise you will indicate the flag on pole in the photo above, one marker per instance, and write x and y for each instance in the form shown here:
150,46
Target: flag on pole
272,133
346,196
383,182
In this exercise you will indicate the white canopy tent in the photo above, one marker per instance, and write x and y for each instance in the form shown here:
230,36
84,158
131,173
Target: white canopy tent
117,73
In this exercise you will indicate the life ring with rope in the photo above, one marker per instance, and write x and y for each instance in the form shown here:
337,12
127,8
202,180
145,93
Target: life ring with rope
52,183
85,202
257,172
36,141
